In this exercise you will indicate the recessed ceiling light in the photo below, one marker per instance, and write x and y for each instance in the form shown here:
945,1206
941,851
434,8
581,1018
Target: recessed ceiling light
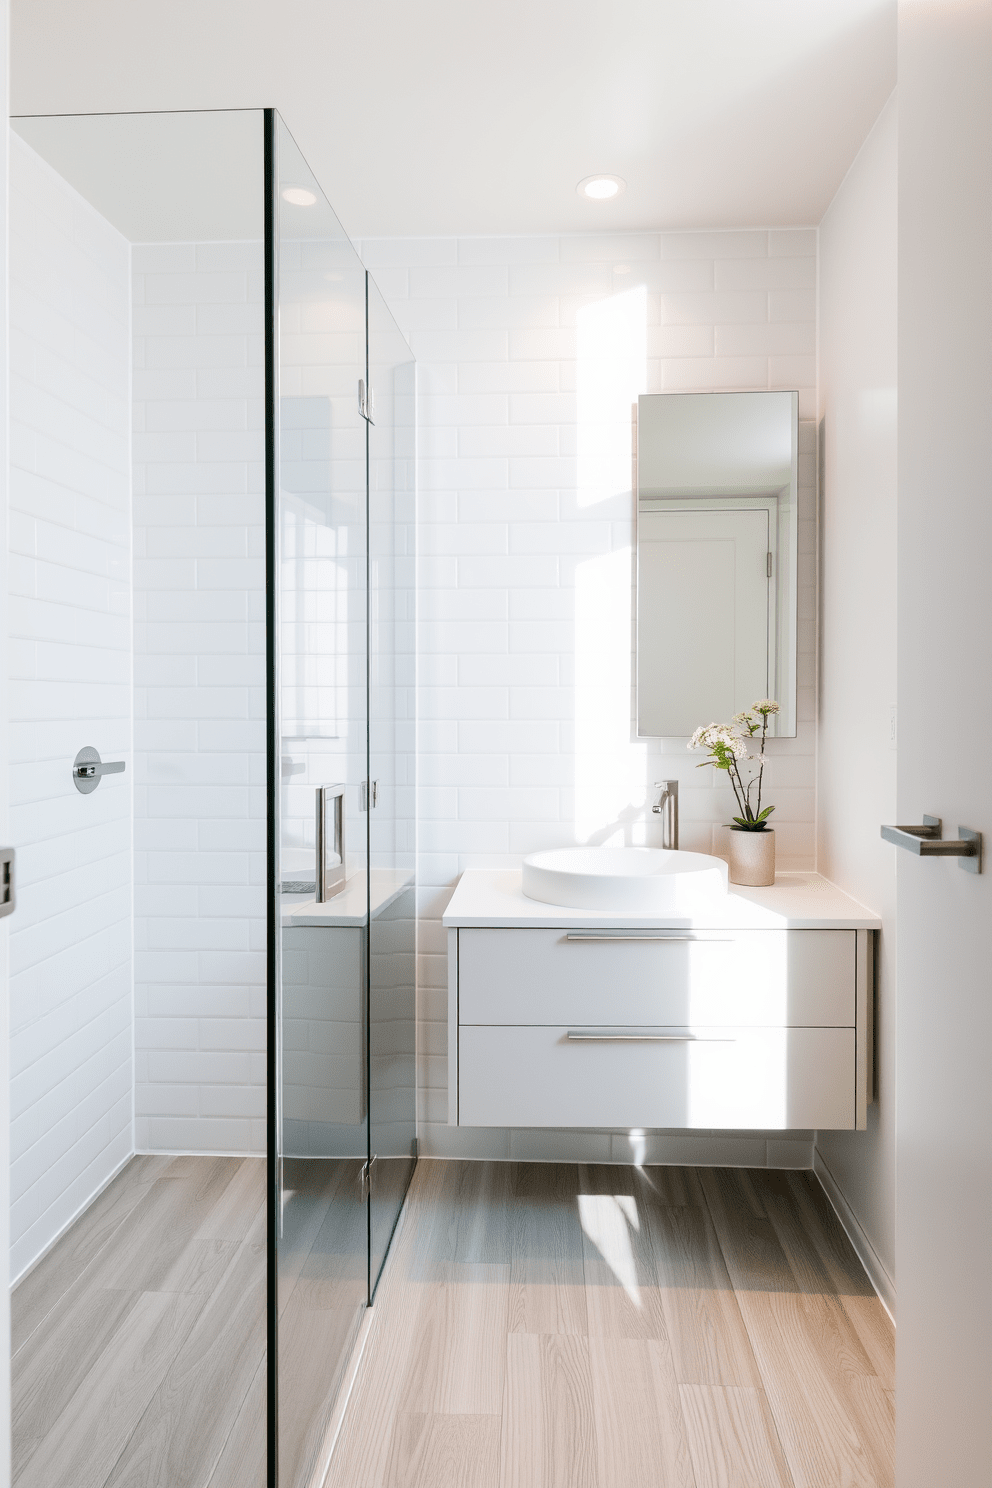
600,188
299,196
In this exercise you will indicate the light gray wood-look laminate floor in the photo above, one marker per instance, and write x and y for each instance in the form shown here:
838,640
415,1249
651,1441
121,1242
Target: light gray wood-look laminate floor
536,1325
139,1339
557,1326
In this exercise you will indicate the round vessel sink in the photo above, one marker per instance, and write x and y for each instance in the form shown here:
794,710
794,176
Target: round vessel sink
640,879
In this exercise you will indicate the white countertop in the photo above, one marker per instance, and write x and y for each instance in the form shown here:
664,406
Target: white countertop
351,907
797,901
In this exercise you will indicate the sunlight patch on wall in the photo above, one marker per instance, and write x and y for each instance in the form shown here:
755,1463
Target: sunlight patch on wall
611,371
609,766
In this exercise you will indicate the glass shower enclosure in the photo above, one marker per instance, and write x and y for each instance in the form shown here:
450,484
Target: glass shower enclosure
342,834
271,586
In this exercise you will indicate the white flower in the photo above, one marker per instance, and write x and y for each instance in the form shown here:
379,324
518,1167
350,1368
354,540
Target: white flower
765,706
748,716
712,734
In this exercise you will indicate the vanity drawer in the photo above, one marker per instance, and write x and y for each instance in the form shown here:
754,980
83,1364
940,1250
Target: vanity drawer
724,1078
756,977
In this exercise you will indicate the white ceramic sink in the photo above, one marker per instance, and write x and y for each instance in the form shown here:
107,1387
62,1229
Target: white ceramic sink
639,879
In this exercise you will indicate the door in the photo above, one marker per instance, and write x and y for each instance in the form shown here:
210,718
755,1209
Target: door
704,592
944,930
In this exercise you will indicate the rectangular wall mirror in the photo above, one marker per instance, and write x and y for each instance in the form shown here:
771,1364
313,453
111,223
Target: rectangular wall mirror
717,491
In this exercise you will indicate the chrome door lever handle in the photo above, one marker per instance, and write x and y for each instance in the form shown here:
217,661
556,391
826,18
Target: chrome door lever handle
927,841
88,768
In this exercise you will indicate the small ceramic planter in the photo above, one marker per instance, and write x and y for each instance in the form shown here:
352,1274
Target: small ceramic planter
752,857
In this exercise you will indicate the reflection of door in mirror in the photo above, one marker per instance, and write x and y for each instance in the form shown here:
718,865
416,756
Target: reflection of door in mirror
703,616
717,558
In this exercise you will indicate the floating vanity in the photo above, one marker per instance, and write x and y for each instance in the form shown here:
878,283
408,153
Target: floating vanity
752,1011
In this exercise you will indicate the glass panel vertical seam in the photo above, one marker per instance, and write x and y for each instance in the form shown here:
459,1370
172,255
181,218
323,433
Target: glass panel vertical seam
272,804
368,792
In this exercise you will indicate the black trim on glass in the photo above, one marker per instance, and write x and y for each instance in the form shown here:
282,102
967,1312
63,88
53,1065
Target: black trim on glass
271,823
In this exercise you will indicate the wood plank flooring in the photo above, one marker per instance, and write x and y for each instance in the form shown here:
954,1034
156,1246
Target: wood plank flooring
537,1326
559,1326
138,1339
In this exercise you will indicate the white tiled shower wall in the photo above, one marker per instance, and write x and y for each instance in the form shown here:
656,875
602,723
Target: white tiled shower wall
531,353
70,685
199,697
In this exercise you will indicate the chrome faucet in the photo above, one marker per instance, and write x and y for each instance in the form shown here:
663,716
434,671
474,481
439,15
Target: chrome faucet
669,798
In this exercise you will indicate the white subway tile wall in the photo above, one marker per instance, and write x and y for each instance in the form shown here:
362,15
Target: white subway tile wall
69,685
531,353
199,697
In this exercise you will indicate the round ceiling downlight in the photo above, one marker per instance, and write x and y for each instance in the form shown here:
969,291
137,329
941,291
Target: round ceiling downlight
299,196
600,188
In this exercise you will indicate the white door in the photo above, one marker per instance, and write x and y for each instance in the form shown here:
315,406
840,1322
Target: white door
944,936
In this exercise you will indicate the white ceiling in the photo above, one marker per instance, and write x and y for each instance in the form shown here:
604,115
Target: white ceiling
433,117
161,178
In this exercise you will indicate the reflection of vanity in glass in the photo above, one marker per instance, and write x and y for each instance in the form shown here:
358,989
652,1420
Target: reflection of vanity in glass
755,1013
717,489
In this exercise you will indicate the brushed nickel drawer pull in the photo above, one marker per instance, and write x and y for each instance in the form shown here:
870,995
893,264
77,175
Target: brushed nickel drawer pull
577,1035
698,939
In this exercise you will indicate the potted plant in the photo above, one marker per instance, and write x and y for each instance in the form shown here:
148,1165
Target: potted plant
752,840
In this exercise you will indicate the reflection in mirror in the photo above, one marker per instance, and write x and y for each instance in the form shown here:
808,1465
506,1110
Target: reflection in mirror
716,557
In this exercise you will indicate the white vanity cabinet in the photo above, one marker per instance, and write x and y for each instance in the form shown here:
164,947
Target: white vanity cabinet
756,1016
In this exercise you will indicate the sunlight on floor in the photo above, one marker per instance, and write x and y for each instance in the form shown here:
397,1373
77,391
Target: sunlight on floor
607,1220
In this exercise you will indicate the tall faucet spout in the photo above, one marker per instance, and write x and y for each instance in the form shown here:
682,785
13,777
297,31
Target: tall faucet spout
667,807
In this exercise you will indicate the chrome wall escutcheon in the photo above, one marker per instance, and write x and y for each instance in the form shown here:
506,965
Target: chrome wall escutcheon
88,768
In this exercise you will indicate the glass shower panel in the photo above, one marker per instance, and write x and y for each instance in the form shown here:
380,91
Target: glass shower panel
137,491
322,693
392,910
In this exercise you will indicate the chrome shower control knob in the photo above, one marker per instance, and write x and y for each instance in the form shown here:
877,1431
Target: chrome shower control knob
88,768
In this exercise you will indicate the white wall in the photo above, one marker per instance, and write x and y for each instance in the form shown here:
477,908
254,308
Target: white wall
530,354
944,937
199,657
70,685
856,757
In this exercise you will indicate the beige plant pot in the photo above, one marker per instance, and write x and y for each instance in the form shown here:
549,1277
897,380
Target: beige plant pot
752,857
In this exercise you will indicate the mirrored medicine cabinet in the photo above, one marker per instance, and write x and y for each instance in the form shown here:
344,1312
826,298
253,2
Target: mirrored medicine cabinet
717,552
